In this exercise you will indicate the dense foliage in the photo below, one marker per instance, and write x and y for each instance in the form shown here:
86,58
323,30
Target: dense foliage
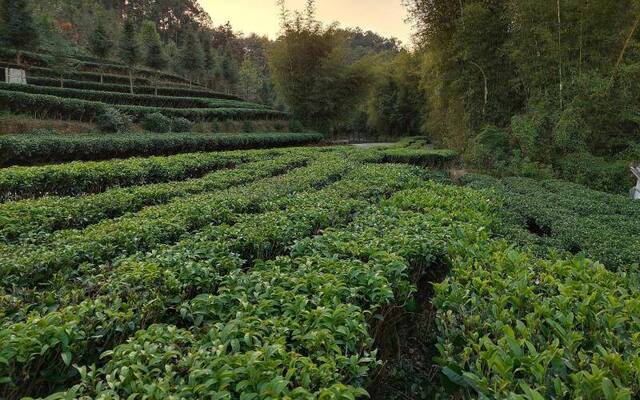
293,262
557,215
47,106
558,78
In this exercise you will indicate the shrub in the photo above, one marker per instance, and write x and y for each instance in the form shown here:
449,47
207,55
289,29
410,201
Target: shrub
27,149
124,88
437,158
247,126
112,120
157,123
296,126
491,148
181,125
43,131
566,216
597,173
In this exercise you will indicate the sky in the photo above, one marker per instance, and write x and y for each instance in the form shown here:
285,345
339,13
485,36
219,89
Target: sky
385,17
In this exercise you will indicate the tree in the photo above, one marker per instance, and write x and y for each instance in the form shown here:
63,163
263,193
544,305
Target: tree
395,103
312,71
154,57
129,50
192,55
61,60
249,79
20,30
100,45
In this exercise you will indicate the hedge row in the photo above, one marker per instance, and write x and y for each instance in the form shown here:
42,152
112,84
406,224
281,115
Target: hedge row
42,106
45,106
304,334
148,90
36,219
93,177
115,98
86,76
424,157
210,255
513,326
138,113
558,215
44,149
28,265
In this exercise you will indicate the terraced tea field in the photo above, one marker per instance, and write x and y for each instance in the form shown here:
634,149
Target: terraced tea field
283,273
98,87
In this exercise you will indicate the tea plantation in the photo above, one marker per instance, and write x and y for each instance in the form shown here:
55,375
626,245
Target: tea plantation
167,264
100,91
277,273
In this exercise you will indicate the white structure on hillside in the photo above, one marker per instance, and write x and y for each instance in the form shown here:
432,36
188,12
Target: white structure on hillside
15,75
635,192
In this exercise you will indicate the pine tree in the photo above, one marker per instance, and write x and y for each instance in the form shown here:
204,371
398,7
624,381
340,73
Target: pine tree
154,57
249,79
100,45
61,61
192,55
129,50
20,30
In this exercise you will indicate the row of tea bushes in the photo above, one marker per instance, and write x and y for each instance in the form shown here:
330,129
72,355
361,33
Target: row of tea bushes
512,325
119,88
89,68
293,327
29,265
127,99
46,106
44,149
559,215
436,158
97,176
194,263
36,219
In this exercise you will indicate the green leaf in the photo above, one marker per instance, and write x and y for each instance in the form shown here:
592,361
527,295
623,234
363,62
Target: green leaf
608,389
453,376
66,357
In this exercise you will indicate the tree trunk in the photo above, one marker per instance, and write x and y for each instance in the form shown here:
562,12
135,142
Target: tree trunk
560,56
634,28
19,57
61,82
131,79
102,78
486,86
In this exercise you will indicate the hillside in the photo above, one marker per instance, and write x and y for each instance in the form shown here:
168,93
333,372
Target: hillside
191,212
97,88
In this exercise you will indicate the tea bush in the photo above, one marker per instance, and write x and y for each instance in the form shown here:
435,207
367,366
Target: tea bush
181,125
112,120
275,278
38,149
557,215
157,123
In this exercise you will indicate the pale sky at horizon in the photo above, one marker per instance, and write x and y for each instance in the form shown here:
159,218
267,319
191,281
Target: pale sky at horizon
386,17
